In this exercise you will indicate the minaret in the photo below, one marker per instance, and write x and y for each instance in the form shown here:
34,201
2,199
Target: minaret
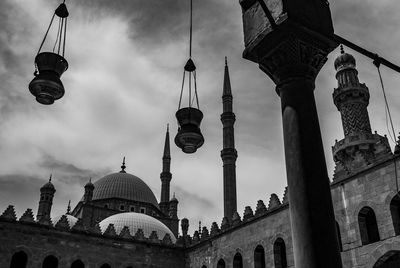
165,175
228,153
89,187
46,200
360,147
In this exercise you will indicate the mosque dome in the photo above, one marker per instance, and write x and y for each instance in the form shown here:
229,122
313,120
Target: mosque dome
344,61
125,186
135,221
71,220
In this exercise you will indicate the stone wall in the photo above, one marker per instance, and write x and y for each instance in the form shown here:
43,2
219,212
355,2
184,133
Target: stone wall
244,238
39,241
375,188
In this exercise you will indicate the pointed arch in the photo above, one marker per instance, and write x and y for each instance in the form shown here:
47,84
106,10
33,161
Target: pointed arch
368,226
50,262
221,263
78,264
237,261
105,265
259,257
19,260
395,212
203,266
339,237
280,259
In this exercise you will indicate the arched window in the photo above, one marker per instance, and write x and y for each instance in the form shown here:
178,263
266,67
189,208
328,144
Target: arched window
259,257
50,262
77,264
221,264
19,260
237,261
339,238
368,227
106,265
280,253
203,266
395,211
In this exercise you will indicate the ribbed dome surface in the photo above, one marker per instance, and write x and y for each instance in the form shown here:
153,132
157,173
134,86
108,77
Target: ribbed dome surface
71,220
136,221
123,185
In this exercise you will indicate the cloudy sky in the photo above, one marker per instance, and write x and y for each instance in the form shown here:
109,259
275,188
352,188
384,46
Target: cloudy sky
126,59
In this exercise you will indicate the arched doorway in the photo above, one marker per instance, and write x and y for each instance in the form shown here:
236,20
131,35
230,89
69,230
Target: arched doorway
50,262
368,227
280,260
19,260
78,264
395,212
237,261
391,259
259,257
221,264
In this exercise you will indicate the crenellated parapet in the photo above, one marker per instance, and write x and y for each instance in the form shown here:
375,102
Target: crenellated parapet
64,225
261,211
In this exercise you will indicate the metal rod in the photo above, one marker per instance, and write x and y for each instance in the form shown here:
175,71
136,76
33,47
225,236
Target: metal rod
338,39
366,53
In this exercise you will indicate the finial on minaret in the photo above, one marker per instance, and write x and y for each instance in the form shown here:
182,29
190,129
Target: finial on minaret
69,207
199,226
341,49
90,179
123,167
51,175
226,61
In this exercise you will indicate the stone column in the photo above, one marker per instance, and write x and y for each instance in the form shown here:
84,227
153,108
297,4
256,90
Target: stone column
293,65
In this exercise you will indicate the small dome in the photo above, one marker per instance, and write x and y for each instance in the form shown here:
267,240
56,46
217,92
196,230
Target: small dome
48,185
71,220
136,221
125,186
344,61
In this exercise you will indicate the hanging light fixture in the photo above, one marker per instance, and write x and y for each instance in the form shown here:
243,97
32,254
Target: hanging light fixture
49,66
189,137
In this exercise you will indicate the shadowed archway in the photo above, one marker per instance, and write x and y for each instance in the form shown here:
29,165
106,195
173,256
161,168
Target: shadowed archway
19,260
390,259
78,264
50,262
237,261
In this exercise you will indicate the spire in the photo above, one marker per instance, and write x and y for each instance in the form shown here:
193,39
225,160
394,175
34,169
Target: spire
227,82
167,153
123,167
51,175
69,208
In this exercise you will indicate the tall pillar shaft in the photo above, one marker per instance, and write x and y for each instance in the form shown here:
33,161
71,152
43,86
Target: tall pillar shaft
293,66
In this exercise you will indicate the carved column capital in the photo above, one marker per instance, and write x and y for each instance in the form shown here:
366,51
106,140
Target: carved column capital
294,58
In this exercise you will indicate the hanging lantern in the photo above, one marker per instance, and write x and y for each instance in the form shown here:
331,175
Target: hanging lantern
189,137
49,66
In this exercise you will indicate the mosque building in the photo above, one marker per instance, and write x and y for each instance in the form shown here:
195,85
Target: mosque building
119,223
